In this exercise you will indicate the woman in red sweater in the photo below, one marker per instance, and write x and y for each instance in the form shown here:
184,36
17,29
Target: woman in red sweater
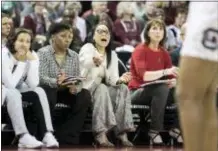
151,62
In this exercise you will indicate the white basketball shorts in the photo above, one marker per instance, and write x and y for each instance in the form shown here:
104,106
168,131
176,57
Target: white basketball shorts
201,39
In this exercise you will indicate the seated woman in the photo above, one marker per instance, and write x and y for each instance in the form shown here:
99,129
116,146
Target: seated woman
20,71
111,98
58,62
150,62
13,101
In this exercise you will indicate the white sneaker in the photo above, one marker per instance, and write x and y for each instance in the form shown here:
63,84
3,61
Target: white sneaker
50,141
29,141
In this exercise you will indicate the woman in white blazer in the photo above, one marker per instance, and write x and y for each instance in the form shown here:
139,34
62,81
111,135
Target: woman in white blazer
20,71
111,98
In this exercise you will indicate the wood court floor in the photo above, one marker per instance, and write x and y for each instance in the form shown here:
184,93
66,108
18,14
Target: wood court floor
98,149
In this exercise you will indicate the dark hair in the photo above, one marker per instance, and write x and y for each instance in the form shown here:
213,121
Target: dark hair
160,12
148,27
13,37
109,46
5,14
58,27
181,11
104,18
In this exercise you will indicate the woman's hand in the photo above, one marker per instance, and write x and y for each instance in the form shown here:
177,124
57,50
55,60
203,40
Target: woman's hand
125,78
20,55
172,71
97,60
29,56
172,83
61,78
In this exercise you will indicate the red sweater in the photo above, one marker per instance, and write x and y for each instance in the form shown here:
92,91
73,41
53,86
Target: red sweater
144,59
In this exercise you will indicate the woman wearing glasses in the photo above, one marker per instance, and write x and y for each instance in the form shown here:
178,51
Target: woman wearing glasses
111,98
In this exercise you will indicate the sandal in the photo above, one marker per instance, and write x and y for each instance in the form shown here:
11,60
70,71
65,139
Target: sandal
176,135
155,138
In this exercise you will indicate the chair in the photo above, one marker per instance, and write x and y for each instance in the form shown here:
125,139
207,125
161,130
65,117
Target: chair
124,56
170,117
121,67
144,116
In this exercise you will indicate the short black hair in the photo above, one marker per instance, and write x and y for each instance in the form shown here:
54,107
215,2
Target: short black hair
58,27
13,37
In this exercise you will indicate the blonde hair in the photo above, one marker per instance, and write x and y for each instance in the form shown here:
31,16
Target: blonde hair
76,6
94,3
123,7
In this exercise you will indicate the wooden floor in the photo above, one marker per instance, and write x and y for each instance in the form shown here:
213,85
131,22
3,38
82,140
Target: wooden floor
98,149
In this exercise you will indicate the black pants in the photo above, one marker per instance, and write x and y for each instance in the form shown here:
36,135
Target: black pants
34,115
69,125
156,97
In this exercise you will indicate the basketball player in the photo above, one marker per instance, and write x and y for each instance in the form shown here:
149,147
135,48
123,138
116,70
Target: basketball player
198,78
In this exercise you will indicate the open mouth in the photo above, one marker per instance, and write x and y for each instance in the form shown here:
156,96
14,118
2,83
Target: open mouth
104,39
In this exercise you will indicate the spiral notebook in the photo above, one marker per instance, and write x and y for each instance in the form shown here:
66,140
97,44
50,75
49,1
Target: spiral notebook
73,80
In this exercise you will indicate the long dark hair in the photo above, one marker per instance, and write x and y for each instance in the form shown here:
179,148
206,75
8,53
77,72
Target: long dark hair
13,37
109,46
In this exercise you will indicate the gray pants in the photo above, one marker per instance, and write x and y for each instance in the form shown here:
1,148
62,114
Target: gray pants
156,97
112,107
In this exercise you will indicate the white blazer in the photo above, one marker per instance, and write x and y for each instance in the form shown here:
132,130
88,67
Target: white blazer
91,71
28,68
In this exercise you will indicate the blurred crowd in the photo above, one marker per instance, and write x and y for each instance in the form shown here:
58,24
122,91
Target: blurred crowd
126,19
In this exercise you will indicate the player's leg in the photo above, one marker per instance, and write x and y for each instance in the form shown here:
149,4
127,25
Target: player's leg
210,133
194,79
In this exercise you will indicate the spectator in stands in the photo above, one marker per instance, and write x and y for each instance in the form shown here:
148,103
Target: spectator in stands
57,62
13,100
20,71
150,62
111,97
38,20
78,22
6,28
27,8
126,29
69,18
175,29
138,10
92,16
112,9
12,8
55,9
175,54
150,11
